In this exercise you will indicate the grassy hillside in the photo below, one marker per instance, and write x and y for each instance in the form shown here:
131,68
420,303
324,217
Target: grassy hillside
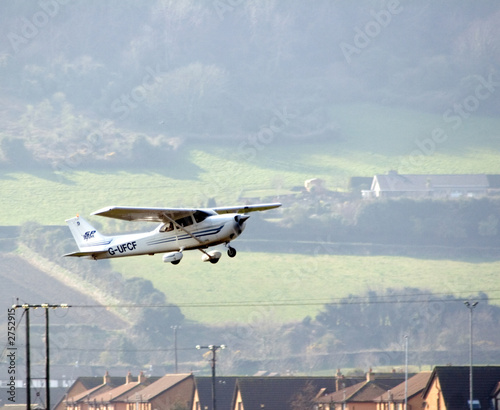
252,286
373,139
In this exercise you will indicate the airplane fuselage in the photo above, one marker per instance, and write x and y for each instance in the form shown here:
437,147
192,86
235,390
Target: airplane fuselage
214,230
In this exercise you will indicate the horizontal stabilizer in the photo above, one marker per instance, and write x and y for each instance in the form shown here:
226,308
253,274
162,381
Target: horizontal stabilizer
89,255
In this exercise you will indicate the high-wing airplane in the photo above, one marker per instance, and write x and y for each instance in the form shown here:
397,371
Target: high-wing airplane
180,229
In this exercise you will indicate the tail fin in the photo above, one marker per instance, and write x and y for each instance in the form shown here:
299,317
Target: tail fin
85,234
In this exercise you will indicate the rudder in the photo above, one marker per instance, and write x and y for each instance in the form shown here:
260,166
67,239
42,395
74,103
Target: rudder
85,235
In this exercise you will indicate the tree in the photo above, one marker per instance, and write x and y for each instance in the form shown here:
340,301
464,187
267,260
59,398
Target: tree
303,399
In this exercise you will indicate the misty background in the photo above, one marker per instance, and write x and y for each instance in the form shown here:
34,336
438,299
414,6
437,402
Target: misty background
129,84
222,69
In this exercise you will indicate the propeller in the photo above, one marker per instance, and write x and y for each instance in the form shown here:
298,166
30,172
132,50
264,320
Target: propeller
240,220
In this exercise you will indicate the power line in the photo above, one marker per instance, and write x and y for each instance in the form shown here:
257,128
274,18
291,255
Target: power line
357,300
103,349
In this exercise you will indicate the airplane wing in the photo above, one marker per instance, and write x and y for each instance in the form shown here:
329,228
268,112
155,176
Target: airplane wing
129,213
245,208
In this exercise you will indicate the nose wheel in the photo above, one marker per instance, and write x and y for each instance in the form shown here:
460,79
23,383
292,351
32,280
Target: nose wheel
231,252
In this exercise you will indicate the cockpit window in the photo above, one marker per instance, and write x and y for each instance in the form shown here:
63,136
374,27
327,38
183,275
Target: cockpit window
169,226
200,216
186,221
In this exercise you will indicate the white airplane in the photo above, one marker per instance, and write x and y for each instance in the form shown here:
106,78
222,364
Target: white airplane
180,229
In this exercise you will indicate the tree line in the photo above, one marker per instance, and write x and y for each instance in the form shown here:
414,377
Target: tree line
406,224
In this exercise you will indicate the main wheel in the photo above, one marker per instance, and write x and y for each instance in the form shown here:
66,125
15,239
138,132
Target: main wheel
175,262
214,260
231,252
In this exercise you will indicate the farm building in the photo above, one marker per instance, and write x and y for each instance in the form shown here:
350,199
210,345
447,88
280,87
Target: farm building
394,185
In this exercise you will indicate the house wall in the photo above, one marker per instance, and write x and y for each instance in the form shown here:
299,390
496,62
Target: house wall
496,401
349,406
360,406
238,403
414,403
434,399
196,401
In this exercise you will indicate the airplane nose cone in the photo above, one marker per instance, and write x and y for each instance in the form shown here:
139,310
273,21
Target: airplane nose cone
240,222
242,218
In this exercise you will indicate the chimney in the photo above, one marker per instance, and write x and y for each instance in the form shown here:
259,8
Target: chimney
370,376
338,377
107,378
128,379
141,378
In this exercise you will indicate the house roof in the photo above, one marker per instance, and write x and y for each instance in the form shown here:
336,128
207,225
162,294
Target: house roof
224,390
364,391
454,383
278,393
89,382
416,384
89,394
160,386
412,182
115,393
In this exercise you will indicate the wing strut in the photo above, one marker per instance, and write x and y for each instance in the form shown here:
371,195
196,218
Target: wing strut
178,226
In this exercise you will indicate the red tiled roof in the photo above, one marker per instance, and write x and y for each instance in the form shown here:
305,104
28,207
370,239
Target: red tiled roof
362,392
90,393
416,384
116,392
164,383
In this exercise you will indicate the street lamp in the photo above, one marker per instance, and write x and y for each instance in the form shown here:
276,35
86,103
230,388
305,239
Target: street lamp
175,327
471,307
213,349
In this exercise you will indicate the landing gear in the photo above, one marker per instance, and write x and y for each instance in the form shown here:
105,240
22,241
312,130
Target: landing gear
175,262
212,257
231,252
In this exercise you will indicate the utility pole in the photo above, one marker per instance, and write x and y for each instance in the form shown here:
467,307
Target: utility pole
47,360
471,307
27,307
28,363
213,349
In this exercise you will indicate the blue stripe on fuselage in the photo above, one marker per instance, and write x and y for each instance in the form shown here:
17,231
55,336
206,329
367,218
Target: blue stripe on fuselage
198,234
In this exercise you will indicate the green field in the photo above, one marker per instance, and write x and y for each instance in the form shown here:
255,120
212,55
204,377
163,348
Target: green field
373,139
284,287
